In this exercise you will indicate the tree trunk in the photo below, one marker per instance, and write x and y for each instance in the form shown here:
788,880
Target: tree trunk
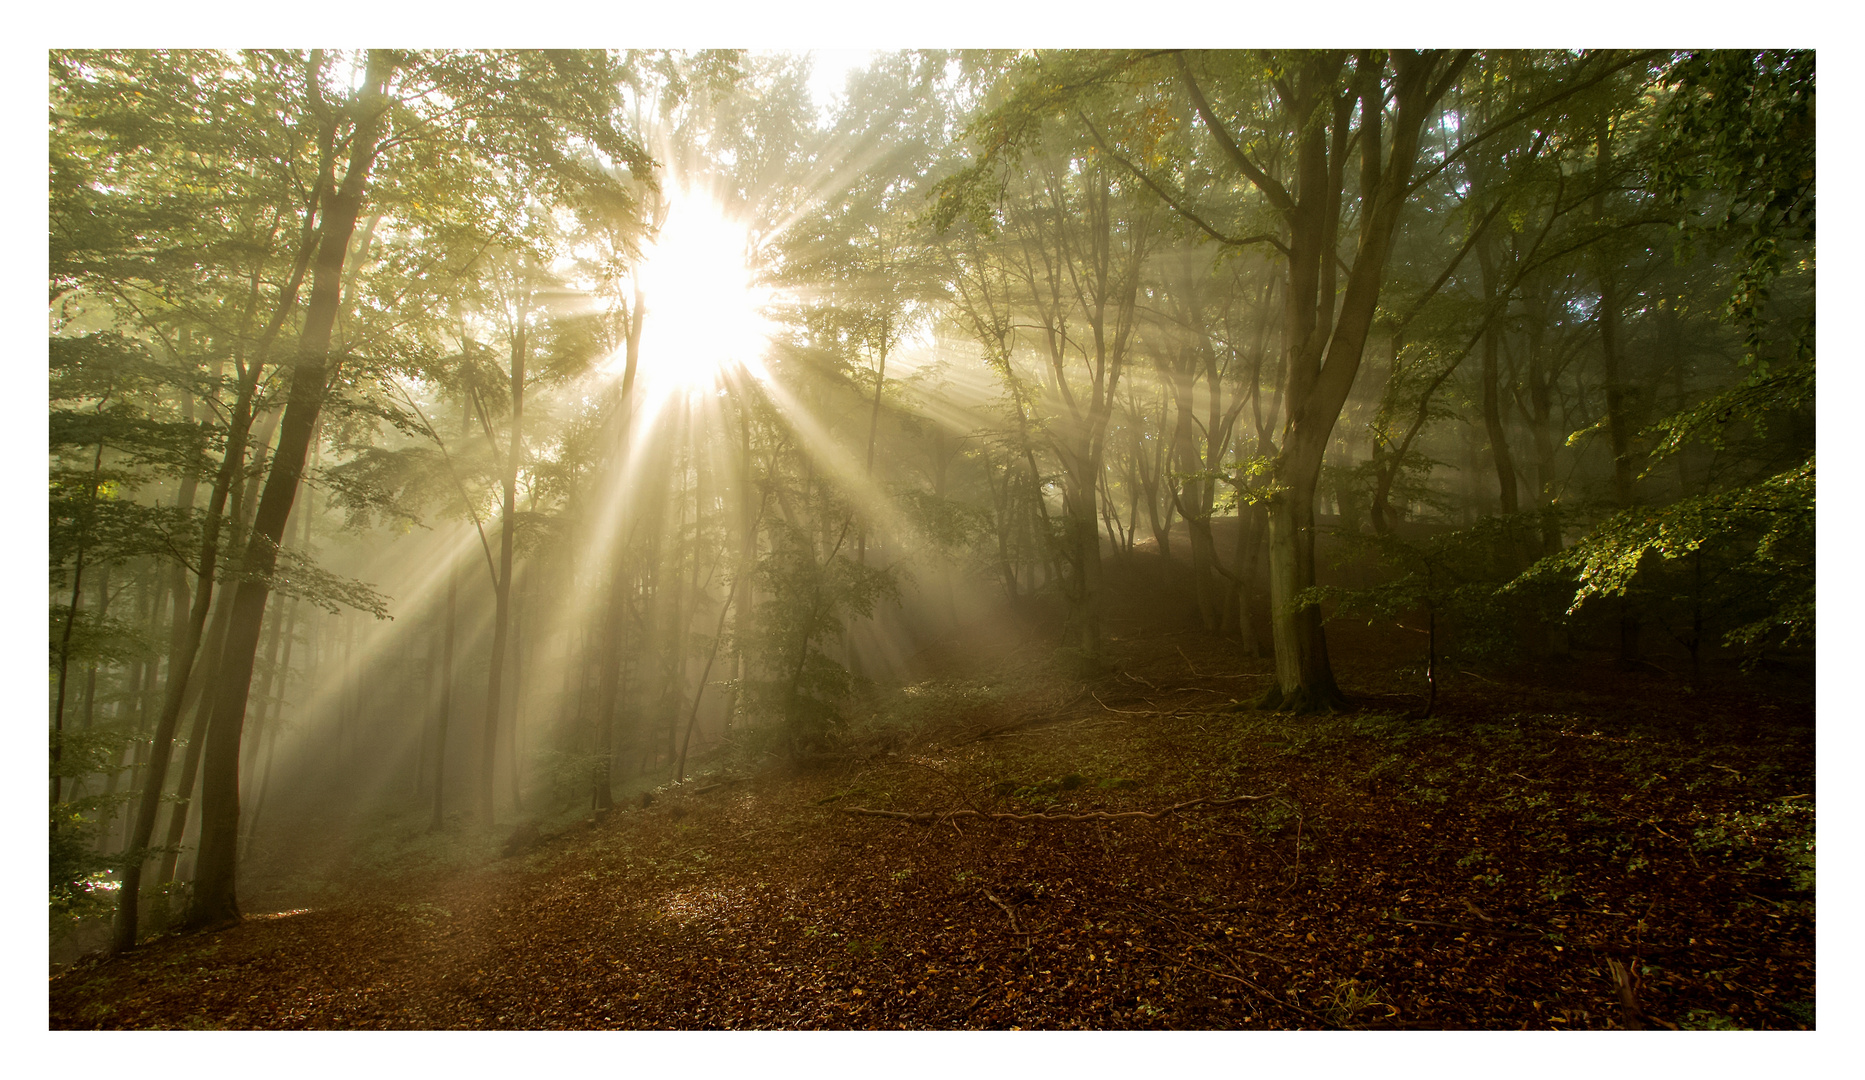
64,645
518,670
1619,423
1324,334
200,693
1493,424
276,691
502,586
266,698
185,653
446,704
215,900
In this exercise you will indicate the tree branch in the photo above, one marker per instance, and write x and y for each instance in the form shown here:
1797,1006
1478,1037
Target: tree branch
1277,194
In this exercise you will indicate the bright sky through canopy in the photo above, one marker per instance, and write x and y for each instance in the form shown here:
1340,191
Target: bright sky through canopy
829,71
704,307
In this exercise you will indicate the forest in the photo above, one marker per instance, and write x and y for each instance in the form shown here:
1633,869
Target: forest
1212,539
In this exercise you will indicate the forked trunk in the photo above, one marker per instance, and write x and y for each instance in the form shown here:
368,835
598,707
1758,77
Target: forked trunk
214,893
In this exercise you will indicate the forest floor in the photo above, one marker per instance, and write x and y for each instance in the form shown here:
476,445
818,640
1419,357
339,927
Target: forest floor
1572,847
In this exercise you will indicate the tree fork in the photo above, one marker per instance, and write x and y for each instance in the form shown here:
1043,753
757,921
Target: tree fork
214,900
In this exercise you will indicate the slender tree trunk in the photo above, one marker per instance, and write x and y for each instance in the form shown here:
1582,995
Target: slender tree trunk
1193,500
874,427
502,586
1618,421
185,653
445,713
518,657
214,895
608,686
64,646
1493,422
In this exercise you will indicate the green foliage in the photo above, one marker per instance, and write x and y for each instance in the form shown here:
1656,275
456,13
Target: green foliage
81,885
1770,523
569,775
917,707
1741,124
1461,577
809,596
1707,1020
944,524
1776,840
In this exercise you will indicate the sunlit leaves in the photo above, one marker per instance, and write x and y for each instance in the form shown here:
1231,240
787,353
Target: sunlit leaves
1772,521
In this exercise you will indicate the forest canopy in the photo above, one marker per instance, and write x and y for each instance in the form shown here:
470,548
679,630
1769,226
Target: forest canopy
493,429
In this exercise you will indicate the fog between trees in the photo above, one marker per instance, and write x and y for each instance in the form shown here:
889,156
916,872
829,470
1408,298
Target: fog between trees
492,434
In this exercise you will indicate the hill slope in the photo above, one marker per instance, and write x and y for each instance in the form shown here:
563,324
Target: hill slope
1487,868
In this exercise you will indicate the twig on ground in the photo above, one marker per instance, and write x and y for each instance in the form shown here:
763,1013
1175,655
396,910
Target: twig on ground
1263,995
1009,914
1688,849
957,788
1466,929
1188,661
1635,1015
1130,712
928,817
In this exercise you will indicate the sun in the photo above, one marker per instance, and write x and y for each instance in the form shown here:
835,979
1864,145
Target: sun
704,309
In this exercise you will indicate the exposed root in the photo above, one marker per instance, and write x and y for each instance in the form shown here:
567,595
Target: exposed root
1303,701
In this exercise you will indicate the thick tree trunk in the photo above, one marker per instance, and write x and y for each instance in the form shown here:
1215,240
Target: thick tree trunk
1304,676
276,687
215,900
1325,336
184,654
200,693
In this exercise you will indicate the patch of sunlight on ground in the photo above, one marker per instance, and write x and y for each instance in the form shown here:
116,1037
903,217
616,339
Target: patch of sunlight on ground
703,905
282,914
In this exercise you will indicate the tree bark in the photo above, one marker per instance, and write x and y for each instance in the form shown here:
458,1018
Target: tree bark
184,653
1493,424
446,705
1619,423
64,645
215,899
502,585
276,691
1325,336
